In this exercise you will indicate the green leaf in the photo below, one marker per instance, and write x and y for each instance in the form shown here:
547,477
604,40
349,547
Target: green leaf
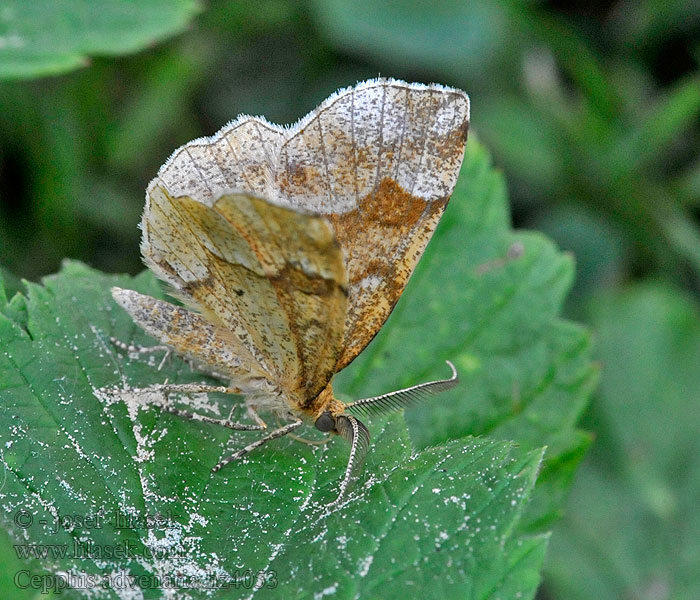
75,446
487,298
598,246
9,283
458,518
47,37
576,58
650,22
632,528
529,145
158,103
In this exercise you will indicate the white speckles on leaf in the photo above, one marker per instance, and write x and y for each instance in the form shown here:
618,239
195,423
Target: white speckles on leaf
67,450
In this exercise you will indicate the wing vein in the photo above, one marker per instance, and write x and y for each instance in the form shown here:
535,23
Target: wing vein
329,191
402,136
422,153
237,158
381,143
199,171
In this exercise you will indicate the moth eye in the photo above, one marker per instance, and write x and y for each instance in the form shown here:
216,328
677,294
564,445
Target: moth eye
325,422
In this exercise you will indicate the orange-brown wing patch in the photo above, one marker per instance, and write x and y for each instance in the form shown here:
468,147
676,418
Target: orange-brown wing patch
342,151
381,160
272,276
387,234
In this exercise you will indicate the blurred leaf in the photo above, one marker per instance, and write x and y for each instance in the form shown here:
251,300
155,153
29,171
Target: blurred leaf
115,211
687,185
646,22
660,126
616,164
259,76
47,37
249,17
454,37
490,298
683,233
45,126
598,247
158,105
524,140
441,520
632,529
9,282
576,58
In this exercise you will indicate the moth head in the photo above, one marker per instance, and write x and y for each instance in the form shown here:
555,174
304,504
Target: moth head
325,422
327,410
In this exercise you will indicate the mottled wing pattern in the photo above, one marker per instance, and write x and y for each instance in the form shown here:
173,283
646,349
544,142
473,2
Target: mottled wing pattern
272,276
381,160
194,337
241,156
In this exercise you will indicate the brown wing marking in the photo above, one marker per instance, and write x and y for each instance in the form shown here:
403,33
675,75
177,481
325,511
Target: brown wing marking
343,150
304,264
272,276
388,233
381,161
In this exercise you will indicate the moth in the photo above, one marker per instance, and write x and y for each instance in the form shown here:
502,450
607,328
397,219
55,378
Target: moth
290,246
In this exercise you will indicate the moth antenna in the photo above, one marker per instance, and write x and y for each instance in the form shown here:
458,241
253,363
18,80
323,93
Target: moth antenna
353,430
399,399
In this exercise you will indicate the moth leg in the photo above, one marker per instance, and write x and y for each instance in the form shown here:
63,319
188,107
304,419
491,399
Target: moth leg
134,349
303,440
308,442
194,388
253,412
273,435
228,423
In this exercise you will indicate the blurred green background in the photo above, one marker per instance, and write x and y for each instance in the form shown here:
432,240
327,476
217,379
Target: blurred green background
590,107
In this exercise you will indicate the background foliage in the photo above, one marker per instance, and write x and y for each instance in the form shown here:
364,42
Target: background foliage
590,108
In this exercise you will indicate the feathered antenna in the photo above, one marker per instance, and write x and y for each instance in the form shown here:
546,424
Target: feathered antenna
355,432
401,398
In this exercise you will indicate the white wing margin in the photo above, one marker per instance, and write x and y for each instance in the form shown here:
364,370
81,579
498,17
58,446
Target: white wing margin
336,154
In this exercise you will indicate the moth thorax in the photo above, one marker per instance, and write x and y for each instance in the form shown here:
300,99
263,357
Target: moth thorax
326,402
324,409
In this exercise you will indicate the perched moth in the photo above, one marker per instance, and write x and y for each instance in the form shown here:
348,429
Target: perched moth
291,246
